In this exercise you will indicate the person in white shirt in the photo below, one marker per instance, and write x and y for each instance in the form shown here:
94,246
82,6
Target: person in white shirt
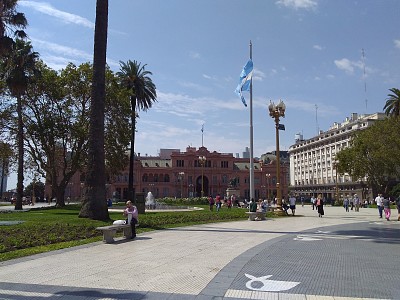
379,203
313,202
292,203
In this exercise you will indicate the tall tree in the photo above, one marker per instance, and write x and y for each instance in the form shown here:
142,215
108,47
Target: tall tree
135,79
12,24
56,122
18,69
392,106
374,154
94,204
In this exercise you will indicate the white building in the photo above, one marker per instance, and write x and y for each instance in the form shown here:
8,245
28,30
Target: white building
312,169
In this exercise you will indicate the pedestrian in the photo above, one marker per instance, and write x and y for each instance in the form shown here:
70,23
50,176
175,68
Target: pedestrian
218,202
131,214
211,202
302,201
292,204
253,205
229,202
356,201
378,201
351,199
398,207
346,203
235,201
320,205
313,202
386,207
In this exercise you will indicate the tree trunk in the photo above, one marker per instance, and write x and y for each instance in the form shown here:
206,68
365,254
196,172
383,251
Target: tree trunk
131,188
94,204
20,141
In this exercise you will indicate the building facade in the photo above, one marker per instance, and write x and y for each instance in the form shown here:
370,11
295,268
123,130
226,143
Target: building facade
183,174
312,161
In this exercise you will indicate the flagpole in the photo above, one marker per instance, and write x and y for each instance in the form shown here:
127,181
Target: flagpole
251,132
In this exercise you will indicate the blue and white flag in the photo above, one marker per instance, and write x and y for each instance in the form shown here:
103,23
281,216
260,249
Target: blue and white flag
245,80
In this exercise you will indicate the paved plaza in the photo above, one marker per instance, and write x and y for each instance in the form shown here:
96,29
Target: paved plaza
344,256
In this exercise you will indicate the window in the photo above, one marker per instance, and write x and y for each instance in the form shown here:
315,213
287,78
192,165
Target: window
224,164
180,163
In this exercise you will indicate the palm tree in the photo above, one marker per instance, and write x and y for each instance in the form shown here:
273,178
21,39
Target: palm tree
392,106
18,69
134,78
94,204
12,23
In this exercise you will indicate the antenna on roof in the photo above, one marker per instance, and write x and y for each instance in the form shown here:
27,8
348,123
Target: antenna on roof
202,133
316,118
365,81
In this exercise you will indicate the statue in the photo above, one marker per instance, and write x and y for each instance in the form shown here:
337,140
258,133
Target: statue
233,182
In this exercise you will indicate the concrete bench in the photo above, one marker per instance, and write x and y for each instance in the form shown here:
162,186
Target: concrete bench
256,216
110,231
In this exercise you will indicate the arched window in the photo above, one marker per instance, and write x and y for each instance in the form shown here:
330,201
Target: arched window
166,178
145,178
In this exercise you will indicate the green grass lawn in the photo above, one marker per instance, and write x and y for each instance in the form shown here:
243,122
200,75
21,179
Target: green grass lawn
50,228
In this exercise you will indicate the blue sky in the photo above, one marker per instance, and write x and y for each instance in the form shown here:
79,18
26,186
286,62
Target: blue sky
306,52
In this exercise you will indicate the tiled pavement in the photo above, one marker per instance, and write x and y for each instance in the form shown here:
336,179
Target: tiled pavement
340,256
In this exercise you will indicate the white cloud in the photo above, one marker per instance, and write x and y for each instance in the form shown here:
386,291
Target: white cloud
298,4
397,43
194,55
258,75
47,9
318,47
60,49
348,65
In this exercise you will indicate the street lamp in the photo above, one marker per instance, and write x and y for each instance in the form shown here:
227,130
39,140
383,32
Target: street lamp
181,175
267,176
277,111
202,160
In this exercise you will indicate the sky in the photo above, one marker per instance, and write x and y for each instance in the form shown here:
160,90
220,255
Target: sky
325,59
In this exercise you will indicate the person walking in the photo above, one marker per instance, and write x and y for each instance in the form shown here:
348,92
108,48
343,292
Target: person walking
211,202
351,199
313,202
218,202
398,207
356,201
292,204
131,213
320,206
378,201
386,207
346,203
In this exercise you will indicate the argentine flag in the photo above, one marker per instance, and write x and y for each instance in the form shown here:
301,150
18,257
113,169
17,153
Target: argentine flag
245,80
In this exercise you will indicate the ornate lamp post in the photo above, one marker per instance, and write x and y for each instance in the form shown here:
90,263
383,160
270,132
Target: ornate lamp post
267,176
277,111
181,176
202,160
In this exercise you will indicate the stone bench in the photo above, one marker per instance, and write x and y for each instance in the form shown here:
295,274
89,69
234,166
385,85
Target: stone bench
256,216
110,231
